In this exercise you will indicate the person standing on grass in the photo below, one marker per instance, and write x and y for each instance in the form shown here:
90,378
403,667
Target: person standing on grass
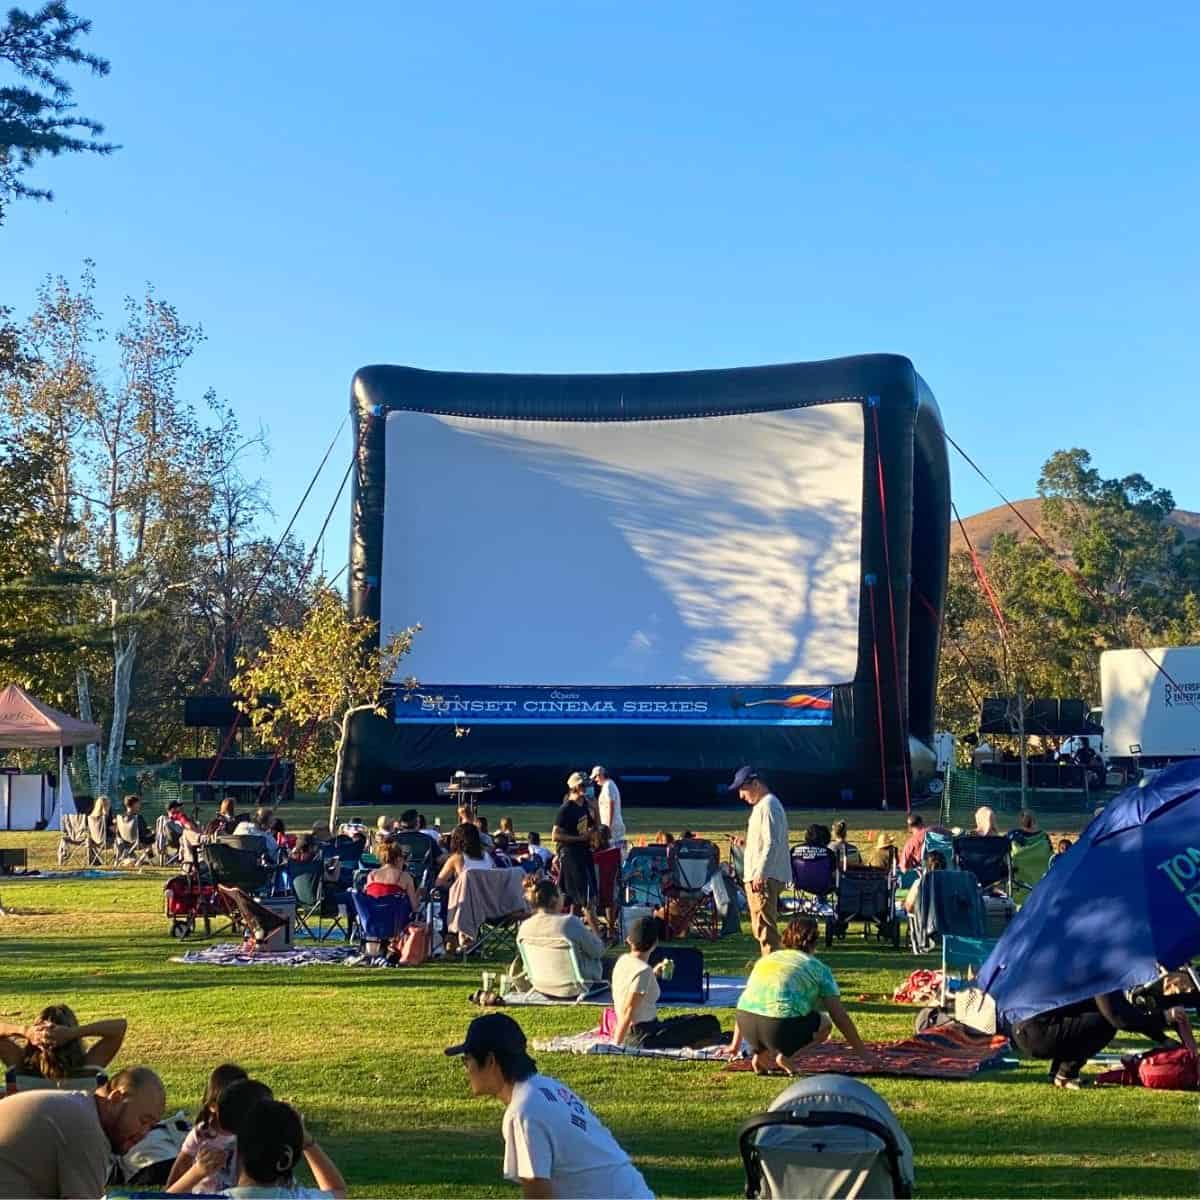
553,1143
610,806
573,828
61,1143
768,865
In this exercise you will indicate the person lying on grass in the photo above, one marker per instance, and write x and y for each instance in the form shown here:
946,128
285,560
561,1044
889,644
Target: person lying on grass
270,1144
53,1045
554,1145
790,1002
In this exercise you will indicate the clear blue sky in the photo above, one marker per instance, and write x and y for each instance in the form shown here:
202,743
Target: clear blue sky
581,187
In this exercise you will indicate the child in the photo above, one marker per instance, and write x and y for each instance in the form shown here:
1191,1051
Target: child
207,1162
270,1144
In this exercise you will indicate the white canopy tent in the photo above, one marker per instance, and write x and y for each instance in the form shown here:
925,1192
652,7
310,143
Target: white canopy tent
28,724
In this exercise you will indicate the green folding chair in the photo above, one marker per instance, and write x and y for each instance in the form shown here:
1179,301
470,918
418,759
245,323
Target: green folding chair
1029,863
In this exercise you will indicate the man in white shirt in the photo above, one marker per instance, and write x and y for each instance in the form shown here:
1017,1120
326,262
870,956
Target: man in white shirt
610,806
768,865
553,1143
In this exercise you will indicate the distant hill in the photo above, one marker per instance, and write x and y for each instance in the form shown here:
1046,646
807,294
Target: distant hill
984,527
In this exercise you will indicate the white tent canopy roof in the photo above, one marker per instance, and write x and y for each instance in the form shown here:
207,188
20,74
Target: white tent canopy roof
28,724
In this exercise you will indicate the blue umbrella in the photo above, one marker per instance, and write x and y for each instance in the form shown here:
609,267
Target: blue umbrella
1123,900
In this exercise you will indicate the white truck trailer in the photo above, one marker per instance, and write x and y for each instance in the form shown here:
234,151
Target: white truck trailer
1150,705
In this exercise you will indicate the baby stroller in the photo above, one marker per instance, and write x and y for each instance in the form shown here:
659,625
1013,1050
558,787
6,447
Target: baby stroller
827,1136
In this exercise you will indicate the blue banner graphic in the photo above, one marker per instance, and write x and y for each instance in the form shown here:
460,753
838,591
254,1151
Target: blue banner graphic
515,705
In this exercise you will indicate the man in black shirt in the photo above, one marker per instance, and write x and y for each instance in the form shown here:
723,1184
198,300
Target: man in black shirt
573,836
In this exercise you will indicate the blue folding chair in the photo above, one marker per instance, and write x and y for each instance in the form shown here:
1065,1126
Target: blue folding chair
379,919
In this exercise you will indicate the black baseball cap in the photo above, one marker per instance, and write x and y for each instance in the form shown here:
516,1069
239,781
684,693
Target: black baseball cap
743,777
491,1034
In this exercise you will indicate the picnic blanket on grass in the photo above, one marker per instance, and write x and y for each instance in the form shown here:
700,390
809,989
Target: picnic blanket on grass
230,954
947,1052
723,992
90,873
595,1042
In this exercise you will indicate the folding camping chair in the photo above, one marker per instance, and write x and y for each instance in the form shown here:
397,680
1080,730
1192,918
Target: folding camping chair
814,879
379,918
73,838
948,902
866,894
237,865
1030,862
691,906
263,929
989,859
642,876
168,842
484,909
97,839
938,843
85,1079
553,969
962,958
689,982
127,846
314,900
422,854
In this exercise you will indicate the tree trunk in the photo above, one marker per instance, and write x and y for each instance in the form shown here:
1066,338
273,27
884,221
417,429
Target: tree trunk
85,714
124,657
336,798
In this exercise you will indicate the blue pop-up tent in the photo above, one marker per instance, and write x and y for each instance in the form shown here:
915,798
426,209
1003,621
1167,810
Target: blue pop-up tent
1122,901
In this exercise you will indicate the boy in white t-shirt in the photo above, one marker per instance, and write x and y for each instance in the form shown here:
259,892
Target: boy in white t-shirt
554,1145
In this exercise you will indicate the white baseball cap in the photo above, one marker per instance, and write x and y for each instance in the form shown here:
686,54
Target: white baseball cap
597,770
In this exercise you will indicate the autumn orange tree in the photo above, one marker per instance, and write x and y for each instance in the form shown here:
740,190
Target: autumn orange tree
321,672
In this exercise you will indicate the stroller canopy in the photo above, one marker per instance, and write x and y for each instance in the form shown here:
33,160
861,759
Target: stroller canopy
827,1136
1123,900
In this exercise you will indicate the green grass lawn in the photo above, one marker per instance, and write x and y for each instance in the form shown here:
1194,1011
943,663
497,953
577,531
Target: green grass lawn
360,1053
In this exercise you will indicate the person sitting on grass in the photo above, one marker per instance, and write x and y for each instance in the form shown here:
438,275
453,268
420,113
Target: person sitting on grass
554,1145
635,999
663,838
53,1045
791,1001
985,823
481,823
271,1142
552,931
56,1143
506,827
208,1135
217,1160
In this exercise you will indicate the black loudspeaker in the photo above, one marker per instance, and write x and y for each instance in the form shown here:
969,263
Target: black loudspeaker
1073,715
204,793
209,712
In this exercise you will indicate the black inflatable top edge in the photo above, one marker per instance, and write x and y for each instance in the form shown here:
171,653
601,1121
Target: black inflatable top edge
631,397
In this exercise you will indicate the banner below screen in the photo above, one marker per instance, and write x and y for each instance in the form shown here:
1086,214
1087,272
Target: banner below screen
514,705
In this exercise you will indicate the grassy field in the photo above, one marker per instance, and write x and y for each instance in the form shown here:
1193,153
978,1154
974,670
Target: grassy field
360,1053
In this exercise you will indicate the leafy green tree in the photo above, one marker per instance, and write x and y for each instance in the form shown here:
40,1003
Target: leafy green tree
1117,573
320,673
39,118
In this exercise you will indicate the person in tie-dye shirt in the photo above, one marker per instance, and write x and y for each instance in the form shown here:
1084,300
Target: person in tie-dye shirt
791,1001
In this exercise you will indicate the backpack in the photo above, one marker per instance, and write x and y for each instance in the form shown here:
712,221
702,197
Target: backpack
1172,1070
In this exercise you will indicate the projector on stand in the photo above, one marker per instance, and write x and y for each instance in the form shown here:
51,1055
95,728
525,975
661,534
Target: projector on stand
467,789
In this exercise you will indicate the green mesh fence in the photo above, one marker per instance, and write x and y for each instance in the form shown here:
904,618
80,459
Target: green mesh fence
966,790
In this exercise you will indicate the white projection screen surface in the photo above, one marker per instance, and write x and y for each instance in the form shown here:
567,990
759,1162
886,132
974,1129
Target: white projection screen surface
717,550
